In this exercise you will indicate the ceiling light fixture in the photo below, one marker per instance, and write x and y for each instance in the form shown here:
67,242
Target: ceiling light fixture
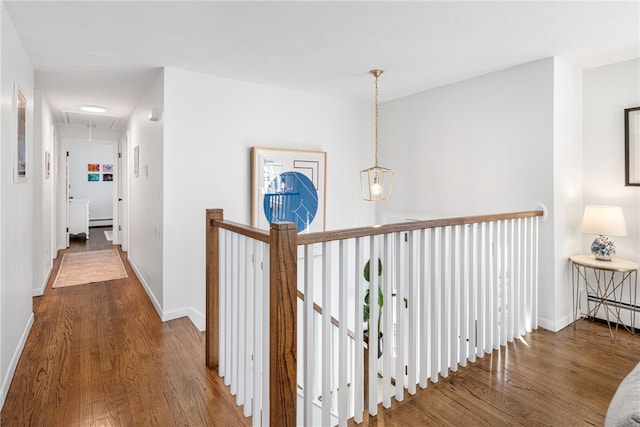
376,181
92,109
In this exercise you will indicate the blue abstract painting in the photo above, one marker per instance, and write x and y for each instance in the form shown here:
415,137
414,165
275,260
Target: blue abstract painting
291,197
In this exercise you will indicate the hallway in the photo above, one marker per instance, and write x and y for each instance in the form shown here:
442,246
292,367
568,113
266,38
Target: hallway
98,355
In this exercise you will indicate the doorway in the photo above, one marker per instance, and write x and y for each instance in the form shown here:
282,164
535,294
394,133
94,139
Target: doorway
91,199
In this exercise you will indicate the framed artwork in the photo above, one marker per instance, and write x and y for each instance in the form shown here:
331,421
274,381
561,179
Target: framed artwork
47,164
20,166
136,161
93,167
632,146
108,168
107,177
93,177
288,186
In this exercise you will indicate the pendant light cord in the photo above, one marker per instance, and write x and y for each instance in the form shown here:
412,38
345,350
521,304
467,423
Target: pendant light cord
376,75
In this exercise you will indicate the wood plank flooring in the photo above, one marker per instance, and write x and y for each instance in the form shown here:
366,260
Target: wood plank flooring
98,355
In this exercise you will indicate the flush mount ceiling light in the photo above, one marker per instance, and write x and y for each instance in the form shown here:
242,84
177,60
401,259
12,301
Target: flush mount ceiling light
376,182
92,109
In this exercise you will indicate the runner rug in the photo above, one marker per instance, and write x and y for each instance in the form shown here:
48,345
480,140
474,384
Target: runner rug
81,268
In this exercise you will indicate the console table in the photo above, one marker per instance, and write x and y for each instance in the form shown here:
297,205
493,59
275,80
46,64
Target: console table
605,286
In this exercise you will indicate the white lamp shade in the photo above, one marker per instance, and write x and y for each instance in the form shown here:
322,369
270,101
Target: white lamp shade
604,220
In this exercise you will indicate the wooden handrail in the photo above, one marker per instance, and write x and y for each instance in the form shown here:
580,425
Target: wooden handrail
245,230
350,233
373,230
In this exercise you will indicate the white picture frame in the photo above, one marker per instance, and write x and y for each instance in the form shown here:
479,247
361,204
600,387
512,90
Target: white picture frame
21,153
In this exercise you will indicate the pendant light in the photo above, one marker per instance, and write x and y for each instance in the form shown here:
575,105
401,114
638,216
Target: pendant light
376,181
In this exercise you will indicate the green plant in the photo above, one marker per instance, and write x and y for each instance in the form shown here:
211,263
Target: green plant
366,313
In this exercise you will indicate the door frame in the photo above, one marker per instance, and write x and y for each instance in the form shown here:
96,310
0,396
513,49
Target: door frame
63,197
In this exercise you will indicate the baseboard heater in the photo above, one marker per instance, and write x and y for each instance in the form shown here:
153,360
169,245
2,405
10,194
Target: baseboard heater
614,303
100,222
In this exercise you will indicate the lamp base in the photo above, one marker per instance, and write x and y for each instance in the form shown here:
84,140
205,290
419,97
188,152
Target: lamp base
603,248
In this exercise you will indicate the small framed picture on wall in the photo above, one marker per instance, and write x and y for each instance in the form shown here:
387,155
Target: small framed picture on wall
136,161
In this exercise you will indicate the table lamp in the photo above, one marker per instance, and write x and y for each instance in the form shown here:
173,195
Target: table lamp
603,221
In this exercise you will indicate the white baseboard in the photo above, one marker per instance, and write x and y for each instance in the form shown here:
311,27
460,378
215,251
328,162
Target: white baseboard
100,223
145,285
557,325
6,381
197,318
38,292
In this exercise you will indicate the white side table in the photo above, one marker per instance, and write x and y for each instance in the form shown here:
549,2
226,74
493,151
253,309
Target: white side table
605,287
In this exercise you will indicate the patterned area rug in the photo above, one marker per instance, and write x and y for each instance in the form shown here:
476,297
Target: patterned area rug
81,268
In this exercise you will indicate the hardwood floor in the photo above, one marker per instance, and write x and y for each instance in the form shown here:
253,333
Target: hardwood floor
99,355
545,379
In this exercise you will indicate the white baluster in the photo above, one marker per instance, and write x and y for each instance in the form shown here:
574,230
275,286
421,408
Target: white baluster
467,320
387,317
494,228
310,354
222,318
424,331
257,336
343,394
234,316
513,281
458,318
474,303
504,279
482,292
248,355
242,318
266,300
358,383
436,305
412,304
327,350
535,274
520,281
373,326
400,313
446,303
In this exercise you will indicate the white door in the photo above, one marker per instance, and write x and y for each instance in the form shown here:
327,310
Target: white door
117,228
66,191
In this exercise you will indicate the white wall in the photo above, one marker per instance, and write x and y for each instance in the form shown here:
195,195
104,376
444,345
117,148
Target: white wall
567,183
44,208
16,220
607,92
100,193
480,146
210,125
145,194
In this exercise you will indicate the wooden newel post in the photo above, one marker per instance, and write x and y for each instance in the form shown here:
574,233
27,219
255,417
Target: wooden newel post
212,261
283,324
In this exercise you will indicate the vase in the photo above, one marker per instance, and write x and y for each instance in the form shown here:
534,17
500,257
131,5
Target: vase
603,248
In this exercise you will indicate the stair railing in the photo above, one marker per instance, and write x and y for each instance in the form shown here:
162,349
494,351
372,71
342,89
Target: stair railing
449,290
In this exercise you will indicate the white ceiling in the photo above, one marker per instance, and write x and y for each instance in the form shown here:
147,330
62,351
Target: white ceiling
105,53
